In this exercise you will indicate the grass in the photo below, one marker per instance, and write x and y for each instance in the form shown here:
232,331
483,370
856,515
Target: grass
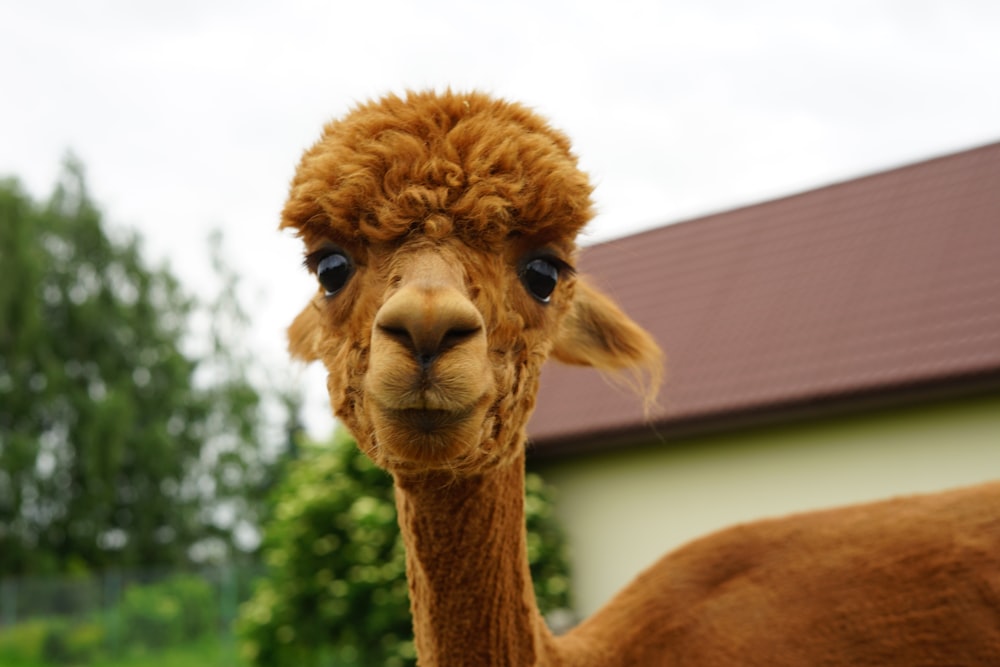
206,653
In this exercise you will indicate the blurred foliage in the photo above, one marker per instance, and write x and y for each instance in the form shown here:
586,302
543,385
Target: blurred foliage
68,642
168,613
140,622
118,447
336,593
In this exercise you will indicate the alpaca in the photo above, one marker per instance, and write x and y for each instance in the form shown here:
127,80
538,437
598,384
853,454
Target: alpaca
441,229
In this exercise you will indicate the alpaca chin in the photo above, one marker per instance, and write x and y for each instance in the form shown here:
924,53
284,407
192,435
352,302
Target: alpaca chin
416,440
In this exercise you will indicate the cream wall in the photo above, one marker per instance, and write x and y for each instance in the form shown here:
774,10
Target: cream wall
622,511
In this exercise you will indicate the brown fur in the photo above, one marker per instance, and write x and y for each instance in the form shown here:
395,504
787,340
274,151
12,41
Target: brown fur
433,349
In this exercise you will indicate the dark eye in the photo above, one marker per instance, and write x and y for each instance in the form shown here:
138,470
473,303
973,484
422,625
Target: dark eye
333,272
540,277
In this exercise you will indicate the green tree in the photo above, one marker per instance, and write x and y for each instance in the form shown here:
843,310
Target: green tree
116,449
336,591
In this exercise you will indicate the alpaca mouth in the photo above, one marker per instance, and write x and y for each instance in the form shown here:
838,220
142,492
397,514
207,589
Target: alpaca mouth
428,420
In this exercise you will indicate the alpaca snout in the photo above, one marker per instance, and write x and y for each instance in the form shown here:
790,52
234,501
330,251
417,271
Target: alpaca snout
428,321
428,350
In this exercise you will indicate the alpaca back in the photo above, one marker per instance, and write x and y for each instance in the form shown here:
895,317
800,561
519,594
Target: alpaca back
909,581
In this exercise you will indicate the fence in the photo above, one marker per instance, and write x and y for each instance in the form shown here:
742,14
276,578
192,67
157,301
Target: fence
124,616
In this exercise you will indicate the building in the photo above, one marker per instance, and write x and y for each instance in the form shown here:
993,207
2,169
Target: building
830,347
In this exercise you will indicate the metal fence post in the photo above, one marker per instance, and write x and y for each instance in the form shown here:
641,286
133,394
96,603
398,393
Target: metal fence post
112,605
8,602
230,601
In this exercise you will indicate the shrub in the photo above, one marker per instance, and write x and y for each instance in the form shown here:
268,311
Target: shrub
336,592
200,610
149,618
23,642
175,611
168,613
69,642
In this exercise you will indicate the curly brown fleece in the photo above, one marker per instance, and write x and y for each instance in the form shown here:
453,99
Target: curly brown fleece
463,164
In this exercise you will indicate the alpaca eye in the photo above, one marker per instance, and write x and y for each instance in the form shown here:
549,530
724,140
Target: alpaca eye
540,277
333,272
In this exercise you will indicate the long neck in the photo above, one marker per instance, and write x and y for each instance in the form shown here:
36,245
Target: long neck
467,565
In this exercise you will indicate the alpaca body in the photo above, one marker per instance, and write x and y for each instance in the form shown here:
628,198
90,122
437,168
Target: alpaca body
441,229
909,581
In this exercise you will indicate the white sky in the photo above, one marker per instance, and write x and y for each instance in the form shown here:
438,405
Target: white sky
191,114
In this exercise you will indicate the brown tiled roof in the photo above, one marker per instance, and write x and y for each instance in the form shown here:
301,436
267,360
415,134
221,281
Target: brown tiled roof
873,287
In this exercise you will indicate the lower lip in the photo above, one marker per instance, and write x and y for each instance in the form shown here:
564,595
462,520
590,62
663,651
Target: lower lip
427,420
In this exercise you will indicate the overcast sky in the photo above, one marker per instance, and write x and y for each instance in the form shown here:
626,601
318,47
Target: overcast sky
191,114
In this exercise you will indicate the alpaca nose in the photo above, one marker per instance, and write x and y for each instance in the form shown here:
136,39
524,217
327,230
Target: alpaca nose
428,320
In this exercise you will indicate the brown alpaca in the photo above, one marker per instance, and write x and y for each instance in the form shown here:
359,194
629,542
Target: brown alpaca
442,231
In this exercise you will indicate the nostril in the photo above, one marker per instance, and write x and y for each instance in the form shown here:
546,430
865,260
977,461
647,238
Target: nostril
398,334
426,346
457,336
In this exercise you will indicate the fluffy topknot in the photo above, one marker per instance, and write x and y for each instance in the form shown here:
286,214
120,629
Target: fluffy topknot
440,164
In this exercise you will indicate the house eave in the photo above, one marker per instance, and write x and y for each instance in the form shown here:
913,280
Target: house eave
666,431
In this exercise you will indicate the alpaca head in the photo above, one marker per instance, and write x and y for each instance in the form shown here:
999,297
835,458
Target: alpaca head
441,229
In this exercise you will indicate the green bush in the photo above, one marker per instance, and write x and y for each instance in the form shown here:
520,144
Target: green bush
72,642
23,642
149,618
52,641
336,592
181,610
200,610
167,613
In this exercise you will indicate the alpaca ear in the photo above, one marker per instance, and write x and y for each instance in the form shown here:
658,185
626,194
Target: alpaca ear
305,334
597,333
